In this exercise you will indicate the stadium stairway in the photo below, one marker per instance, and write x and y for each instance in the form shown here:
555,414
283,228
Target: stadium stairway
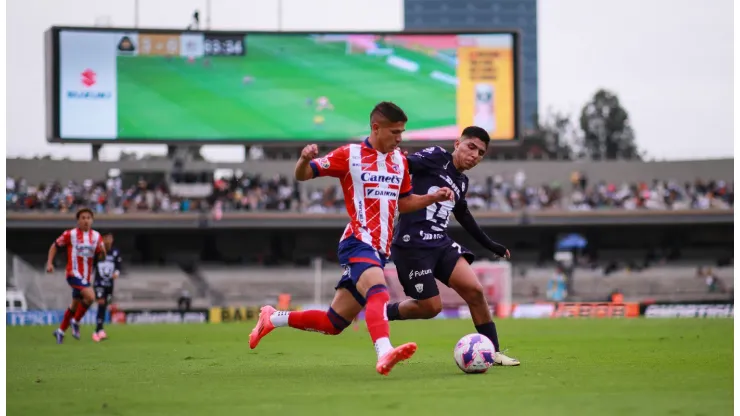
154,287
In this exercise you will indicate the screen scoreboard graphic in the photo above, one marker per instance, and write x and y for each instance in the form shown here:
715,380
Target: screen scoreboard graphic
155,86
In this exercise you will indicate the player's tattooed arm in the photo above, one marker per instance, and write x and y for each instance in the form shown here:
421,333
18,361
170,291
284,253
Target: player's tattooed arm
412,202
466,220
303,171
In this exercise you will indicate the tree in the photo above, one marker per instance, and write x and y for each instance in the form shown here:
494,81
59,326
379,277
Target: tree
607,134
554,135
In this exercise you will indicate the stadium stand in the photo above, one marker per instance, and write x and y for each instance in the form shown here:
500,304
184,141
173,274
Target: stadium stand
63,186
255,192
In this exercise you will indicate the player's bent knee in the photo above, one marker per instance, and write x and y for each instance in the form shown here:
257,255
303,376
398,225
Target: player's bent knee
431,307
373,276
474,295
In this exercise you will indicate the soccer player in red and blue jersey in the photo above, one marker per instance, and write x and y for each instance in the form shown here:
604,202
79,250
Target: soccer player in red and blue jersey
83,244
375,181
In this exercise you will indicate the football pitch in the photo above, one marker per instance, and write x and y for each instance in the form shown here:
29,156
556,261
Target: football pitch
569,367
265,95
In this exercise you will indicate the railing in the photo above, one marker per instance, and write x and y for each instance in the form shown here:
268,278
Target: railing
27,279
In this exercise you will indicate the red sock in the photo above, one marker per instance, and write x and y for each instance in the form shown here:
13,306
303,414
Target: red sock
318,321
377,322
81,310
65,321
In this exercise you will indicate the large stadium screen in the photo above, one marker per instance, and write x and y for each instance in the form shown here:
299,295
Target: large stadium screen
218,87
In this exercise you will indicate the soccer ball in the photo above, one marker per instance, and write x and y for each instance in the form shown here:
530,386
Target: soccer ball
474,353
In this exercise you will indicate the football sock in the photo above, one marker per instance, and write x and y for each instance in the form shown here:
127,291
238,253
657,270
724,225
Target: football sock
326,322
377,323
489,330
81,310
393,313
101,317
65,322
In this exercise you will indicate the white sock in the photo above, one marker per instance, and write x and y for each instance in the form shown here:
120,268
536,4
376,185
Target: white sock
383,346
279,318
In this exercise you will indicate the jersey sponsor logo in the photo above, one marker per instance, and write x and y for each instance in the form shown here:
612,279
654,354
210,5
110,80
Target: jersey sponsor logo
85,250
419,273
406,238
431,236
360,211
452,184
380,178
381,193
419,287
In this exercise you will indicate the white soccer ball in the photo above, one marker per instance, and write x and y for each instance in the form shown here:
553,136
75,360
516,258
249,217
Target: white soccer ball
474,353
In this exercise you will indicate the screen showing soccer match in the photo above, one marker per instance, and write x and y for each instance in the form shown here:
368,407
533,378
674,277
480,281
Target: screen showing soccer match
222,87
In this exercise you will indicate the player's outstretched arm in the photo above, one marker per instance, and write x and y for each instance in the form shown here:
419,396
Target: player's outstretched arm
466,220
412,202
50,258
303,171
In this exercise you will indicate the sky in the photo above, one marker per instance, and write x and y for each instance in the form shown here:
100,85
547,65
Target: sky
669,61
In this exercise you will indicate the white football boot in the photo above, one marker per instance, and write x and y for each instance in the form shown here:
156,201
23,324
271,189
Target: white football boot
501,359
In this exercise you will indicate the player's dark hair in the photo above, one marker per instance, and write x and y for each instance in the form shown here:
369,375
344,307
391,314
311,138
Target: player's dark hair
106,232
389,111
477,132
84,210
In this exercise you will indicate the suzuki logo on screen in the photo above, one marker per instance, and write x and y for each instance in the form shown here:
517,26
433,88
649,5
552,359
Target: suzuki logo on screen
88,78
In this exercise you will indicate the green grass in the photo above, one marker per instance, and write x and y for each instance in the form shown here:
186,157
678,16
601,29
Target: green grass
173,99
570,367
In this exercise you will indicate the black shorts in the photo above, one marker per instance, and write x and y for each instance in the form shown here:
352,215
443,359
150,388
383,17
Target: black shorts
104,292
418,267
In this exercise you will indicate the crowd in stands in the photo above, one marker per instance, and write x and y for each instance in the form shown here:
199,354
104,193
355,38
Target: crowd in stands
500,194
256,193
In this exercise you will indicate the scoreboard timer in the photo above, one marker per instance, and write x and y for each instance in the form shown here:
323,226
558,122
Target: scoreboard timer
224,45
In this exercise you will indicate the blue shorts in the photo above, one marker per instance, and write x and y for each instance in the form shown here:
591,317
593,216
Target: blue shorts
77,285
356,257
418,267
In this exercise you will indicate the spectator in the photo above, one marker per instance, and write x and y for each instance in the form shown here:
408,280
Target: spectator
556,287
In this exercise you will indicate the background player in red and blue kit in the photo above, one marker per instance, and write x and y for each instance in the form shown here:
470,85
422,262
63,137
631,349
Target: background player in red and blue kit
107,270
83,244
422,250
376,183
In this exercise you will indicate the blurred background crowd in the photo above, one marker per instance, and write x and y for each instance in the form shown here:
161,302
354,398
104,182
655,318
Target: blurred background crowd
279,193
